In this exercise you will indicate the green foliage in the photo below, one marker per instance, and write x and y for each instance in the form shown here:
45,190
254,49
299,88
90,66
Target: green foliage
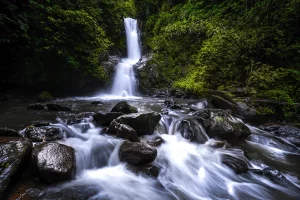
45,96
228,44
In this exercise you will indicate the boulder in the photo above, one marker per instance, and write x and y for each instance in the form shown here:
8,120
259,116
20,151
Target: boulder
142,123
36,106
171,104
39,134
4,131
219,123
149,170
290,133
156,142
248,113
191,130
137,153
123,131
225,104
40,123
13,153
235,163
124,107
54,162
217,144
104,119
57,107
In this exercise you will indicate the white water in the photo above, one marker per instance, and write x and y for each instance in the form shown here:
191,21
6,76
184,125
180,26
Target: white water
188,171
124,84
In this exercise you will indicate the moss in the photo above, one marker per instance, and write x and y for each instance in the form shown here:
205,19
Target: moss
45,96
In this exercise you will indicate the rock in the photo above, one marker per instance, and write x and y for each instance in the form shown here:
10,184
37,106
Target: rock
235,163
124,107
156,142
96,102
171,104
123,131
57,107
83,127
247,113
45,96
8,132
55,162
13,153
40,124
137,153
104,119
39,134
190,129
36,107
219,123
144,169
290,133
218,144
142,123
224,104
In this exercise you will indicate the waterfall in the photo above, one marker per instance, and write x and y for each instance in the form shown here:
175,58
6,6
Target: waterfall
124,81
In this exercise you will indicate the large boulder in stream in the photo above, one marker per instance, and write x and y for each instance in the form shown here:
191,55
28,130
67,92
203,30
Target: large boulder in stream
124,107
223,102
39,134
123,131
8,132
104,119
142,123
13,153
190,129
54,162
235,163
149,170
57,107
219,123
137,153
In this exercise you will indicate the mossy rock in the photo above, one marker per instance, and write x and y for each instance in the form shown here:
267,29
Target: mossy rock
45,96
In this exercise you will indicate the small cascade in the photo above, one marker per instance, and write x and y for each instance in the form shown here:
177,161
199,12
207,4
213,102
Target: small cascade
124,81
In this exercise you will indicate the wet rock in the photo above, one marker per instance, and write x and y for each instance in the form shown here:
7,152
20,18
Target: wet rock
104,130
124,107
40,124
57,107
171,104
217,144
137,153
83,127
8,132
13,153
248,113
142,123
54,162
39,134
235,163
96,102
36,107
290,133
104,119
123,131
149,170
219,123
225,104
156,142
190,129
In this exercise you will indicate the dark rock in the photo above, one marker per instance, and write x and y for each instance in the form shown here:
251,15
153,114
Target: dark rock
137,153
221,124
104,119
218,144
124,107
156,142
123,131
55,162
8,132
36,107
144,169
190,129
248,113
142,123
40,124
171,104
73,121
290,133
270,128
13,153
225,104
39,134
235,163
96,102
57,107
104,130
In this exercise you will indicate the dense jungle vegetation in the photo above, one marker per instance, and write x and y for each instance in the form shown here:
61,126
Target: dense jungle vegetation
195,45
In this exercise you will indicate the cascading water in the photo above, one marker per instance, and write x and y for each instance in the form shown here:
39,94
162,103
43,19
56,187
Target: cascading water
124,81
